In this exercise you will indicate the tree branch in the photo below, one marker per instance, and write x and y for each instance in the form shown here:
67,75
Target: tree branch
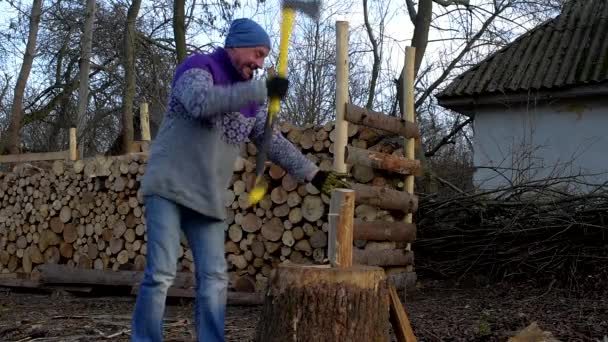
446,140
411,10
376,66
446,3
455,61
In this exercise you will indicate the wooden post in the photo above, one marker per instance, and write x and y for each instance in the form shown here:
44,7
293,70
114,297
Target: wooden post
73,144
408,115
341,218
341,95
144,117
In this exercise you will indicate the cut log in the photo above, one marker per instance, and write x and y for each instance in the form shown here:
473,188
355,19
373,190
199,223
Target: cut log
276,172
382,161
304,303
361,116
273,229
251,223
281,210
66,250
235,233
56,225
278,195
362,174
312,208
65,215
289,183
385,198
391,257
384,231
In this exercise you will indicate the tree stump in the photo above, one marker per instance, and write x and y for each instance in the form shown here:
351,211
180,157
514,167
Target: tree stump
320,303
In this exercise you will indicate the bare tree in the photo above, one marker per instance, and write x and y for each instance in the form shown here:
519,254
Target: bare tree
129,66
14,139
179,29
85,64
376,54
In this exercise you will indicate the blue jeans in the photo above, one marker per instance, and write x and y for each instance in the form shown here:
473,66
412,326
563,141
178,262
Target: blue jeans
206,239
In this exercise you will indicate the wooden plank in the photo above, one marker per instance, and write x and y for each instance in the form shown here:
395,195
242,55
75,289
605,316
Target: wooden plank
388,257
31,283
385,198
63,274
19,283
384,231
233,298
30,157
398,318
340,217
382,161
362,116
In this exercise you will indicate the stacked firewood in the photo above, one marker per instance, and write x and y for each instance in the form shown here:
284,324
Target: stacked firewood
90,213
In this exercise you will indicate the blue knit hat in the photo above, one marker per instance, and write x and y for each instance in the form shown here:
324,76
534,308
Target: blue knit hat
246,33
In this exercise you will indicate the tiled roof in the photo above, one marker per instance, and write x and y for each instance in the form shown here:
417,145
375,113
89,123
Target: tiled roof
569,50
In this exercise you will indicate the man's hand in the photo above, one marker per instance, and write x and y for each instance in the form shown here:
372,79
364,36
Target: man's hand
327,181
277,87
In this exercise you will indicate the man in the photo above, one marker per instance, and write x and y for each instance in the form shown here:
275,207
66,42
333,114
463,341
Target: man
215,105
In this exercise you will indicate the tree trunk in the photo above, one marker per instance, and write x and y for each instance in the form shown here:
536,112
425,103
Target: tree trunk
376,53
85,64
179,29
129,66
14,137
311,303
420,40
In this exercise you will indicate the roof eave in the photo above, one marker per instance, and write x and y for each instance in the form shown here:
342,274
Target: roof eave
466,104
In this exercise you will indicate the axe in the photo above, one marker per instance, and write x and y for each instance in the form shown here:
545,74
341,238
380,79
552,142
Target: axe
312,9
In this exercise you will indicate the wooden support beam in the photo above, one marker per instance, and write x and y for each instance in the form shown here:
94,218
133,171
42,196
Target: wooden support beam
340,217
341,95
30,157
387,257
73,144
382,161
409,117
398,318
385,198
362,116
384,231
144,119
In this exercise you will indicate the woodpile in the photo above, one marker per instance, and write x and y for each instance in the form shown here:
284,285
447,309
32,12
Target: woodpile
89,214
533,230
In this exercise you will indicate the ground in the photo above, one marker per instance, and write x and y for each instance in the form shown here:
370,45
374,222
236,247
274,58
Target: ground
437,310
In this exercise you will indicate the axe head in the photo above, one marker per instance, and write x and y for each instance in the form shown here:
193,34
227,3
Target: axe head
311,8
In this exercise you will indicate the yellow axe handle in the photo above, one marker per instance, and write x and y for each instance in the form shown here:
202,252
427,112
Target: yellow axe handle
258,192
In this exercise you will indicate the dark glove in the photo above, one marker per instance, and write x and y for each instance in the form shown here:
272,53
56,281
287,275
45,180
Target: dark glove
327,181
277,87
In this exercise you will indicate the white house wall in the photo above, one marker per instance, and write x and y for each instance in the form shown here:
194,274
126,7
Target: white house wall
520,143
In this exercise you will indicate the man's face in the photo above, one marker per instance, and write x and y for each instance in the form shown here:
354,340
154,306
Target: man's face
247,59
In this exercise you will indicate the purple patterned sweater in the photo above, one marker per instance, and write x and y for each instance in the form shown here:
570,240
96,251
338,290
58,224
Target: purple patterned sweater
211,112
